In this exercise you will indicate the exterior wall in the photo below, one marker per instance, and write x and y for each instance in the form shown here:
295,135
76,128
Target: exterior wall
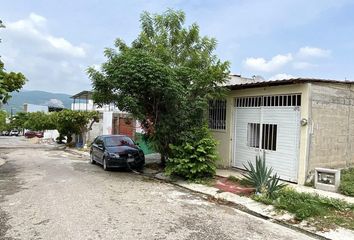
81,105
332,138
107,122
225,137
97,129
51,134
126,128
34,108
111,123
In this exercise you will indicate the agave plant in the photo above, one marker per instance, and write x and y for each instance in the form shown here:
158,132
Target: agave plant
260,176
274,186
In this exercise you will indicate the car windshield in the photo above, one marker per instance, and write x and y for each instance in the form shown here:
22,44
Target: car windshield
118,141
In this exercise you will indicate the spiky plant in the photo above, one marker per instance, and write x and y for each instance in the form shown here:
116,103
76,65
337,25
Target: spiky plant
260,176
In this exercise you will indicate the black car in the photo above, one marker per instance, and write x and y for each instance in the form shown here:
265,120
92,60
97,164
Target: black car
116,151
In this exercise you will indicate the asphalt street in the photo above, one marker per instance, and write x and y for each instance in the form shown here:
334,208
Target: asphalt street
46,193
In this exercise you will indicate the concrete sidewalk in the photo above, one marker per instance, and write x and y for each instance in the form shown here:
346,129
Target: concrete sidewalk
299,188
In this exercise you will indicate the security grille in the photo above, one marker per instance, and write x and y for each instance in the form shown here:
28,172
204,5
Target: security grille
269,136
269,101
217,114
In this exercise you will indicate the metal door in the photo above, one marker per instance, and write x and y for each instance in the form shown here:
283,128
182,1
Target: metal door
272,130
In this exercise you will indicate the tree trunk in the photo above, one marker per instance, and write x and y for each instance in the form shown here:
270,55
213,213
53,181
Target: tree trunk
69,138
163,160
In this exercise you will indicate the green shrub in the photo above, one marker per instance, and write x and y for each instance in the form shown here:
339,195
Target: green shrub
261,178
347,182
194,159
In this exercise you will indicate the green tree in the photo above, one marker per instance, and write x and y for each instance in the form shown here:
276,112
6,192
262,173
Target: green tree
39,121
164,79
3,125
70,122
18,121
9,81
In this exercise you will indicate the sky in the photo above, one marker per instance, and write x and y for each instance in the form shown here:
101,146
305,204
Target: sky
54,42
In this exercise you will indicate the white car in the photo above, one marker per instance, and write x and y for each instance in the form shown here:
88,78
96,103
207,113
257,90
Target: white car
14,132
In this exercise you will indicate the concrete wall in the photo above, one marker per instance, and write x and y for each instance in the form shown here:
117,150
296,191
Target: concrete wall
225,137
97,129
332,137
51,134
34,108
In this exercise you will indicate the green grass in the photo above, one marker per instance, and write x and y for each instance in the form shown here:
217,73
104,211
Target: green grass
347,182
321,212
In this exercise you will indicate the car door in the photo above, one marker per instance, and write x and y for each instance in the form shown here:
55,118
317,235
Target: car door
100,150
96,149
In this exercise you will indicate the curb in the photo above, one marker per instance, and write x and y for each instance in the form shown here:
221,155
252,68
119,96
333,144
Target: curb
2,162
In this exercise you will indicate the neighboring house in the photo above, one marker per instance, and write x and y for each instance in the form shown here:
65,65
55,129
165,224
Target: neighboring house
27,107
299,124
112,120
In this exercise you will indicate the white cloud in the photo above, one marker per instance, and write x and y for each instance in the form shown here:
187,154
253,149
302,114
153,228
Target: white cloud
33,29
37,19
308,52
49,62
281,76
262,65
298,60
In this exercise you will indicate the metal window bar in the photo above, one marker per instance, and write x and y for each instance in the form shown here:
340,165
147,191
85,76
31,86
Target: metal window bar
217,114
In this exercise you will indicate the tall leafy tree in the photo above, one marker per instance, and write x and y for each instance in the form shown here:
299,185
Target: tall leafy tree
3,125
164,78
9,81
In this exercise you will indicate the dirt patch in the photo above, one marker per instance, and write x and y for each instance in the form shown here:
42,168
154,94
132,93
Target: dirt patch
226,185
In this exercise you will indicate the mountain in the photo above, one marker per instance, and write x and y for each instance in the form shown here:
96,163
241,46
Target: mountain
37,97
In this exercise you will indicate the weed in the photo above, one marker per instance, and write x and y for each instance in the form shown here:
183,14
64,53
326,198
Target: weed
323,212
347,182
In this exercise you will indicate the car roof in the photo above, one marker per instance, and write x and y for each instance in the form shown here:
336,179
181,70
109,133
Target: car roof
116,135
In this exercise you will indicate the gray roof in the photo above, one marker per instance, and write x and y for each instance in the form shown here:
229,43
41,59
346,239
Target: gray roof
284,82
83,95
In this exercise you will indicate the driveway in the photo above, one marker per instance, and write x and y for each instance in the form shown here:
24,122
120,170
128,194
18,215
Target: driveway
50,194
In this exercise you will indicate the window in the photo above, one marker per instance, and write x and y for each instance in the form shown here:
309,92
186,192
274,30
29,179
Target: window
98,141
269,136
270,101
217,114
115,141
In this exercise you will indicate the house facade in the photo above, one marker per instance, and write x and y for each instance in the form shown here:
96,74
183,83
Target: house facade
297,124
111,119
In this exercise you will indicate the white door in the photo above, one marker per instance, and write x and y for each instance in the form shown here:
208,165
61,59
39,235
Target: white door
273,130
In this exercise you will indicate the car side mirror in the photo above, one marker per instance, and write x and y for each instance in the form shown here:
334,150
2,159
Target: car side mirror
100,145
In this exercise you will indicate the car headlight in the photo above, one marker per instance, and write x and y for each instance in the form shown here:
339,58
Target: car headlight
114,155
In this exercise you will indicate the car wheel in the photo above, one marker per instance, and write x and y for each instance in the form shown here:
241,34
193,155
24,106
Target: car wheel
92,161
105,164
140,168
